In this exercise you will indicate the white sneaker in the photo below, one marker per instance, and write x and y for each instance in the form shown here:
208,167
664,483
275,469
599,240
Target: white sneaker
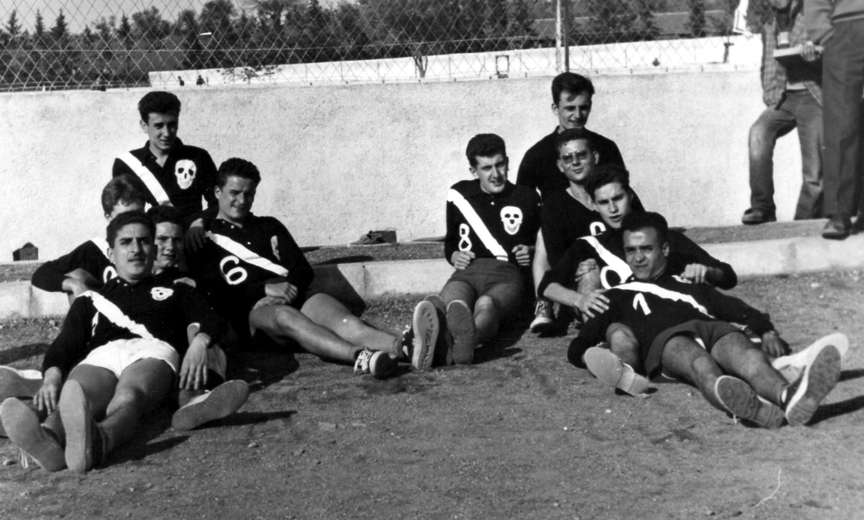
792,365
425,326
608,368
543,317
218,403
742,402
802,397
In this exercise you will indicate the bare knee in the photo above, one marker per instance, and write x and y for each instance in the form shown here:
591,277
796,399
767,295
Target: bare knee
127,397
286,320
351,326
485,304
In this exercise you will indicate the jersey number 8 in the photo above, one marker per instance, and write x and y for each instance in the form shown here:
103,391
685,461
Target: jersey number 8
233,275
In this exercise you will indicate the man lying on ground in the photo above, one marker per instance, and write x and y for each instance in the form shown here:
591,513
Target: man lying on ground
256,276
491,228
683,331
119,352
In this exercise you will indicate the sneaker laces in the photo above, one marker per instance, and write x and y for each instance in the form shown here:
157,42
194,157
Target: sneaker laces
406,343
361,364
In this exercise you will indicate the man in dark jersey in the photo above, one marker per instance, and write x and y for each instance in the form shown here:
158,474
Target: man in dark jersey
204,394
567,214
88,266
492,225
256,276
572,95
684,332
165,169
119,351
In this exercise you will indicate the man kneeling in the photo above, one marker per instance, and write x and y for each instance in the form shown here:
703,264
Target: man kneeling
121,348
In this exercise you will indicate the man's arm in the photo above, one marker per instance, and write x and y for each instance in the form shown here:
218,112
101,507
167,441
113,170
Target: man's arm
300,273
712,271
54,275
208,168
70,346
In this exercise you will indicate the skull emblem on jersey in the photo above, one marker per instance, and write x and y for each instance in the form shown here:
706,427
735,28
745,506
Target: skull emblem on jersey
161,293
511,217
185,170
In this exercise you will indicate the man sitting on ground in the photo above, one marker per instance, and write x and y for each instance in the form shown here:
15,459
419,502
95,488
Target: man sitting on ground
119,352
491,224
256,276
567,215
683,331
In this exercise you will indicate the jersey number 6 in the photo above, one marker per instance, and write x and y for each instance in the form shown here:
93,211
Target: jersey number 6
233,275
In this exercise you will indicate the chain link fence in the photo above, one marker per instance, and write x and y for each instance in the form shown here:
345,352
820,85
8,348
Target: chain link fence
65,44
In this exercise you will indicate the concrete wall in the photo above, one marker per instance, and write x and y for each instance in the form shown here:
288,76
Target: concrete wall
338,161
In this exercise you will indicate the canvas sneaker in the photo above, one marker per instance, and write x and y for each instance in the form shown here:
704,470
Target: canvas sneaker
85,442
377,363
215,404
742,402
792,365
802,397
607,367
424,332
24,430
460,323
544,318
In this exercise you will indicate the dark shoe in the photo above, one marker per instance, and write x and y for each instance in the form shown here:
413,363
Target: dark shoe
460,323
757,216
858,226
837,228
544,318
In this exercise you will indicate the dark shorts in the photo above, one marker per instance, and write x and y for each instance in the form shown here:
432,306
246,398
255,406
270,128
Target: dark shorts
501,281
705,332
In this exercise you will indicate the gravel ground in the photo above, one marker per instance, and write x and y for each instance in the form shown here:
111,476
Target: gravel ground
519,434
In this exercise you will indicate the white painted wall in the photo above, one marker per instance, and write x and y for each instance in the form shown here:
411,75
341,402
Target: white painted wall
340,160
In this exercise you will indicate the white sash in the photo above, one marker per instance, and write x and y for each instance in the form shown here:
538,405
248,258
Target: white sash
666,294
477,225
146,176
108,309
245,254
614,262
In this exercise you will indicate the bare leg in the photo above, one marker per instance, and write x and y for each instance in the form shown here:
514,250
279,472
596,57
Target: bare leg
684,359
142,386
98,384
487,318
330,313
623,343
284,323
738,356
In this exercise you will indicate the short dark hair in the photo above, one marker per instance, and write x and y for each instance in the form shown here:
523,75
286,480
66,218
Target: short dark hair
165,213
124,219
121,189
647,219
158,102
574,134
571,82
604,174
236,167
484,145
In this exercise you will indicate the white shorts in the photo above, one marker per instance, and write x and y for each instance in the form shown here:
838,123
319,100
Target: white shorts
117,355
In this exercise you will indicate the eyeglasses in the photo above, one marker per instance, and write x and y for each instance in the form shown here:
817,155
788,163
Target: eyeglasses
571,158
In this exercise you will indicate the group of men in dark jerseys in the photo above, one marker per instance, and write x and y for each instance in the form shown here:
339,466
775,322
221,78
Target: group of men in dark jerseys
156,300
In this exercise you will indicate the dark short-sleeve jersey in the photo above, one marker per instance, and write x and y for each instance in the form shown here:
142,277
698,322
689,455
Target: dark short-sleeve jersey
148,308
607,249
91,256
490,225
539,166
565,219
187,176
237,262
649,308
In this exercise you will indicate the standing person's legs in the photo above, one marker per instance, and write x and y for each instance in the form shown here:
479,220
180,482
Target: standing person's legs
808,115
842,82
140,387
771,124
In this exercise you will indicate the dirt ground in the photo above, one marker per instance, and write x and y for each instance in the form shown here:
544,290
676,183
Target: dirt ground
520,434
